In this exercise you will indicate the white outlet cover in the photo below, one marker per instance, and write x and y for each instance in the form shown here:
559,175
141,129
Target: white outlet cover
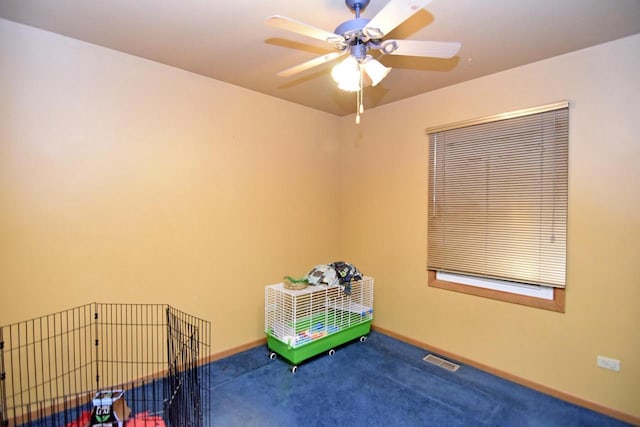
608,363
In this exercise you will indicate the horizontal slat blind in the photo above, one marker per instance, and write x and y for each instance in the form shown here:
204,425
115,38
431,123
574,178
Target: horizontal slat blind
498,199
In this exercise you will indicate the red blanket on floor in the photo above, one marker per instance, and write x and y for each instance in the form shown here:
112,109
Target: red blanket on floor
141,420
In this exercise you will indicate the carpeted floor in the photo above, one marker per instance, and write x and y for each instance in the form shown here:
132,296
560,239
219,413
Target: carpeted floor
381,382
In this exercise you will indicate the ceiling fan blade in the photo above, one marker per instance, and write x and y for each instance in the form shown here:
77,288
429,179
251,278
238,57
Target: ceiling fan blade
292,25
393,14
421,48
310,64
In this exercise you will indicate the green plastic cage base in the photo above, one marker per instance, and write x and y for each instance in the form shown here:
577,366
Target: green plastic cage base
302,352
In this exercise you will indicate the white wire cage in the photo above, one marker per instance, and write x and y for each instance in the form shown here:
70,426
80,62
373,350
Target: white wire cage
298,318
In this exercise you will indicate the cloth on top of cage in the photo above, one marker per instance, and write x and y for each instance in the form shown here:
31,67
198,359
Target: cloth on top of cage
323,274
334,274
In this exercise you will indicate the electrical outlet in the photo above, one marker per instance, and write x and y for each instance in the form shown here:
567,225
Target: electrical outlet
608,363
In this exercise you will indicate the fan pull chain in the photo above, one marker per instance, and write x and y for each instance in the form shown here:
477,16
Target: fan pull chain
360,96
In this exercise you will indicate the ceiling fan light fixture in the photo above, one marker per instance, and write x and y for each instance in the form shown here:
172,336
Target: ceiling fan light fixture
375,70
351,86
356,37
347,74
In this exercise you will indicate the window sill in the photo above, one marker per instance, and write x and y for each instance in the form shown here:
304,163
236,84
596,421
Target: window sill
556,304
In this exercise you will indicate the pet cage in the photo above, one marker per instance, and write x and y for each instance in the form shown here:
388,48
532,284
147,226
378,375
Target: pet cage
52,367
303,323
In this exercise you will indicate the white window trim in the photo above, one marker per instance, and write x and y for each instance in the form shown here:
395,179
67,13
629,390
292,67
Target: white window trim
535,291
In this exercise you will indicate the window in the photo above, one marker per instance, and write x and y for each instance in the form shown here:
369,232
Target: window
498,202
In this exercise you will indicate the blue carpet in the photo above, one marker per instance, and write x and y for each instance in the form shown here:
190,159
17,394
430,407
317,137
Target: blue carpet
381,382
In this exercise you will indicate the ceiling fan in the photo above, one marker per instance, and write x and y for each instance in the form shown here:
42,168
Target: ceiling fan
357,37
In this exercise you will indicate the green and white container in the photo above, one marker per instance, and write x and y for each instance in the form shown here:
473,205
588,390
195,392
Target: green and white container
304,323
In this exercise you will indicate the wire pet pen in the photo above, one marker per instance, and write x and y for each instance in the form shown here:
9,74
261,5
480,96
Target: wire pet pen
52,366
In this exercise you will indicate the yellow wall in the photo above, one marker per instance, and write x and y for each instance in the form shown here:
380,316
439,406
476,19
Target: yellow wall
383,225
123,180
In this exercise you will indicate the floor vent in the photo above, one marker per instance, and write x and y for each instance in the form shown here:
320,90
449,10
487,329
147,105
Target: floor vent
440,362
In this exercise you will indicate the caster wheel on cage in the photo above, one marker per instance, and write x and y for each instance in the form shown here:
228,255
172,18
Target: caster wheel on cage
363,338
294,369
332,352
272,355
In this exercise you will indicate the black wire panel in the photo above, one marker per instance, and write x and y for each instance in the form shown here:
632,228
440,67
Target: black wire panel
52,366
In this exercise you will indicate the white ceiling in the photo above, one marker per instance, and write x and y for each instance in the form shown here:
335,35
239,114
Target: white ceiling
228,40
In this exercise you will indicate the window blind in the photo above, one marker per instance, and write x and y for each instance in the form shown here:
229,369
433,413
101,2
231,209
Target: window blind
498,198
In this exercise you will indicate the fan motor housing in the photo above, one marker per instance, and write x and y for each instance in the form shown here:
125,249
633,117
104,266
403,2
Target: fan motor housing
352,27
